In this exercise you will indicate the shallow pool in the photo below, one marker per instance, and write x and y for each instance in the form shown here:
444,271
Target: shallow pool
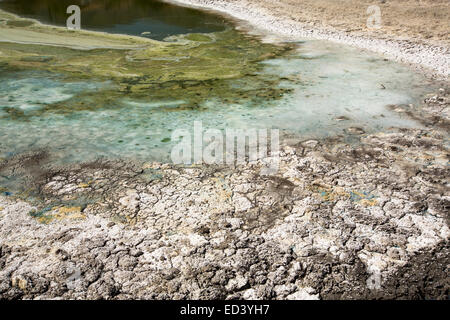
81,105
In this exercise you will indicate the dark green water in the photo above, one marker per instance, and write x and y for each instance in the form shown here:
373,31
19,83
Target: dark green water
131,17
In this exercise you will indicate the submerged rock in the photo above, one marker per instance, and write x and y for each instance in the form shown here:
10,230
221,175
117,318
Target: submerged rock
355,130
342,118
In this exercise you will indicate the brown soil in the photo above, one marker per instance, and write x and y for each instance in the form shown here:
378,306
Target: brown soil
426,20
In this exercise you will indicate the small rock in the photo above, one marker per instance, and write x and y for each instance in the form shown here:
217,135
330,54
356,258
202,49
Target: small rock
341,118
303,294
241,203
237,283
197,240
355,130
131,200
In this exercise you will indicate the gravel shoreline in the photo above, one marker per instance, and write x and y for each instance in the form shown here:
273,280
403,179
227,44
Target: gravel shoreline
430,59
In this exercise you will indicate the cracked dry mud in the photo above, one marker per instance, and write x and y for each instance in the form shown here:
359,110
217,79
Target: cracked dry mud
366,220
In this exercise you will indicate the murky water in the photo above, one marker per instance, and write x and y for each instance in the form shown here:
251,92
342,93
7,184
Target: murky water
148,18
326,88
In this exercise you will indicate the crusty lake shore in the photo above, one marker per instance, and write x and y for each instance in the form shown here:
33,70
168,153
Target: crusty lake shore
412,32
339,220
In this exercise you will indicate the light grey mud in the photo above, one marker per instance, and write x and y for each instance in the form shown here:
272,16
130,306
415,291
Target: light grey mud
338,220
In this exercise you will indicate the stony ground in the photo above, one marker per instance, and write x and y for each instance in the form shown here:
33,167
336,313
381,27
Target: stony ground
367,220
399,18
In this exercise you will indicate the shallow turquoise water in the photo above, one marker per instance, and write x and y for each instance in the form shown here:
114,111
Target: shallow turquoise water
335,82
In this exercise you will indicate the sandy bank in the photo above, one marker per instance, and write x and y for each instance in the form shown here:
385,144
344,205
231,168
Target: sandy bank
412,33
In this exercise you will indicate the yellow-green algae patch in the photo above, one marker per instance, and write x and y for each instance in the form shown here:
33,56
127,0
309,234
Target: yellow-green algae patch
192,68
198,37
58,213
333,194
29,31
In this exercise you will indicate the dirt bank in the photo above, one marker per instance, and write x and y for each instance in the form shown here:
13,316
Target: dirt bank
412,32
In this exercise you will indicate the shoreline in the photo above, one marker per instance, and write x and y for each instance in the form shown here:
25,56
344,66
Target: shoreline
432,60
